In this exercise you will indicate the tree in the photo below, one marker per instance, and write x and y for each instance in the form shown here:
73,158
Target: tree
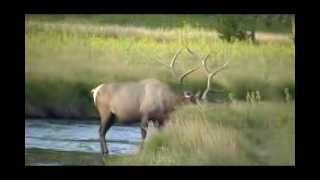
241,27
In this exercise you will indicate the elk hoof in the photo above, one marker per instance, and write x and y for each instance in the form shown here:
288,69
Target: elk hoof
141,147
105,153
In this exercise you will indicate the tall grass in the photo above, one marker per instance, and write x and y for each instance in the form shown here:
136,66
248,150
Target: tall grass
64,60
225,134
67,56
153,21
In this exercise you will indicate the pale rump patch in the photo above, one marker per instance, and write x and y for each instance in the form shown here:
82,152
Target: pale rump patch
95,92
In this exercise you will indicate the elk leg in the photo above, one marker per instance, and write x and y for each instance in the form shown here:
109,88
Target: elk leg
106,123
144,127
160,124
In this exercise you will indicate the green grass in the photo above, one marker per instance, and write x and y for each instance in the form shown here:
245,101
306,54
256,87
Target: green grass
67,56
65,59
153,21
226,134
41,157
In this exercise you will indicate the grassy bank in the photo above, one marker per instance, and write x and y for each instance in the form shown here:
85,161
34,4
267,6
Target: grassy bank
66,56
226,134
43,157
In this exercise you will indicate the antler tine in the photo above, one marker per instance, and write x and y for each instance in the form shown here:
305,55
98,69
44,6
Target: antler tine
204,63
193,53
220,68
210,76
187,73
166,65
189,50
174,60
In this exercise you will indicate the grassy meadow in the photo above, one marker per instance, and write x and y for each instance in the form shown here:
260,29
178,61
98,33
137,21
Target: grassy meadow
67,56
225,134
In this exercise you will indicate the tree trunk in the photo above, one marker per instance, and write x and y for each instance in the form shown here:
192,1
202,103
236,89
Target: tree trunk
253,36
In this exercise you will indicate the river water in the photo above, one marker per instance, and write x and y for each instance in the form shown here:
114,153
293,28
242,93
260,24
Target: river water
71,142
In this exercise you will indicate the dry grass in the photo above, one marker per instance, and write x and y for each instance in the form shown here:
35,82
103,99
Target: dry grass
77,54
65,59
272,37
158,34
221,134
201,137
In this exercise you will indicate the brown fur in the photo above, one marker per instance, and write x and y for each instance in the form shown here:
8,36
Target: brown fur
130,102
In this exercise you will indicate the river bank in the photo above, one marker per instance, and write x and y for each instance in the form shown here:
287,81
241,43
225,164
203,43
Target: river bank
249,118
45,157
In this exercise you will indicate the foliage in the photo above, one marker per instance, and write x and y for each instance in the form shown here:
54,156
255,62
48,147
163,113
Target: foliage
231,27
67,56
236,134
65,60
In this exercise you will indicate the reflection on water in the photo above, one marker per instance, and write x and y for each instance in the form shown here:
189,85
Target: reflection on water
69,138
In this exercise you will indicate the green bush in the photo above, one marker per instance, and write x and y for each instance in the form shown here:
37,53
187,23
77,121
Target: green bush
231,27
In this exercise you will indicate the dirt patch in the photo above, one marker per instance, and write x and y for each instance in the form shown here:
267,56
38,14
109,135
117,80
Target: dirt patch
268,37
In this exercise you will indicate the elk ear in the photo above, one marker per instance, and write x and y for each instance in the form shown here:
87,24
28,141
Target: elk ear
187,94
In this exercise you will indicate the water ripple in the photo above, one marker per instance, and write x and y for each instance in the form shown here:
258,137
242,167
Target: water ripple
79,136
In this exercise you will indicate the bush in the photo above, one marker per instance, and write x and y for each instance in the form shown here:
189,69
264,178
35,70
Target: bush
231,27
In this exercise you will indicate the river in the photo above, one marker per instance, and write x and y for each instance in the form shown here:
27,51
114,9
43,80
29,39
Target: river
71,142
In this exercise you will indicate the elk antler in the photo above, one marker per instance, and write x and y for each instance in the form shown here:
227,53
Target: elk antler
172,63
172,67
210,75
187,73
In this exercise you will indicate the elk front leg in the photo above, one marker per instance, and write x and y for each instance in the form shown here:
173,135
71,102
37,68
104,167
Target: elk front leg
105,125
144,128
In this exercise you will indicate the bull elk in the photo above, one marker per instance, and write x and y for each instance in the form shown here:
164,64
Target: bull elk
143,101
